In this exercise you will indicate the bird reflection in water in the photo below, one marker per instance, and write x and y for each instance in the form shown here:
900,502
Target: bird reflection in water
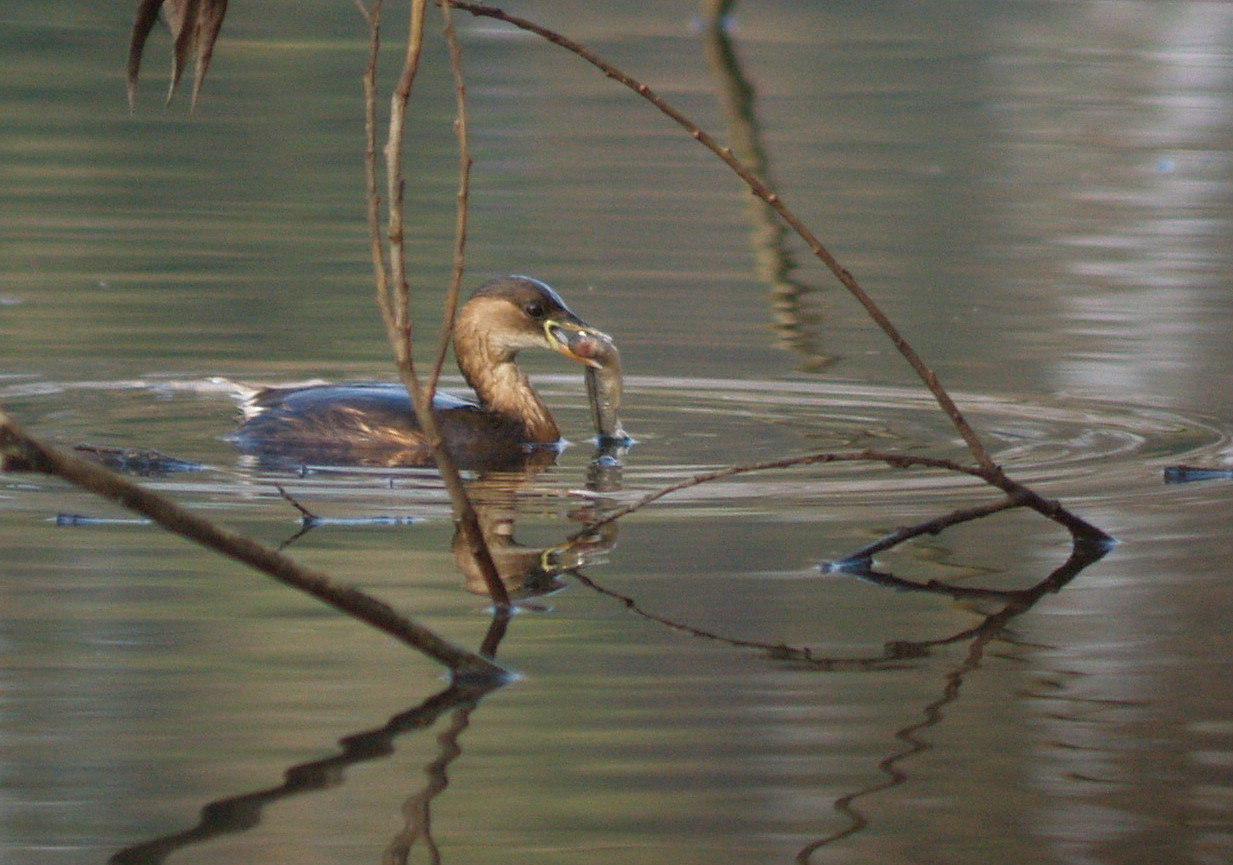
531,571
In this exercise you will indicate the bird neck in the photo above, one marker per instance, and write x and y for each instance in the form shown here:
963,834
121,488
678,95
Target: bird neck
505,390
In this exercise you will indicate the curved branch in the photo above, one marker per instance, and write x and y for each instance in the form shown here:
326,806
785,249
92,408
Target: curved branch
1085,550
760,189
1020,495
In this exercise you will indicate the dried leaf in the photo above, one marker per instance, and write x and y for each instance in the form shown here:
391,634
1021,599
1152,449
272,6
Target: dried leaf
194,26
209,22
147,15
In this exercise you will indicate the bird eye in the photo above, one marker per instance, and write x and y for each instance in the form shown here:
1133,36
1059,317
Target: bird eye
534,309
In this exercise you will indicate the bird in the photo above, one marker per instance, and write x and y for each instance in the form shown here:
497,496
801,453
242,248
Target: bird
507,422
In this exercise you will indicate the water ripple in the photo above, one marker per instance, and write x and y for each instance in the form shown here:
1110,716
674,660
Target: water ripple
1073,445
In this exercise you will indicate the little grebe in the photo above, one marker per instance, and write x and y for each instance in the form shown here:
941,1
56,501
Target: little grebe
375,424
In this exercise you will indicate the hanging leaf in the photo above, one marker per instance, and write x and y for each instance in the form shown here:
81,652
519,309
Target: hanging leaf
194,26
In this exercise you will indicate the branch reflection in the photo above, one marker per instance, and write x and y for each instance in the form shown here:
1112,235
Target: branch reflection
1009,604
533,571
797,325
992,627
240,813
529,571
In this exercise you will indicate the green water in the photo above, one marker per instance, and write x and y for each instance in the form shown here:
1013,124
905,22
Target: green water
1041,195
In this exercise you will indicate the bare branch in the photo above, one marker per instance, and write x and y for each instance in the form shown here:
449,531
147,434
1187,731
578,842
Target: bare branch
1018,495
393,289
464,185
934,526
1085,550
397,297
20,452
380,264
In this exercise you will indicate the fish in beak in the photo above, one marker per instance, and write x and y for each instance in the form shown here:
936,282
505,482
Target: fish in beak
579,341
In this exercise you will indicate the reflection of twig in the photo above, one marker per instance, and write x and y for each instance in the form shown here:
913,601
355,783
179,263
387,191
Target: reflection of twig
796,325
1088,545
417,809
891,766
759,188
1084,552
717,9
779,651
238,813
860,558
1086,549
19,452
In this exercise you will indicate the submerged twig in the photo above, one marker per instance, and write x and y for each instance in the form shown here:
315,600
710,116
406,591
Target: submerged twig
1020,495
1084,551
1186,474
20,452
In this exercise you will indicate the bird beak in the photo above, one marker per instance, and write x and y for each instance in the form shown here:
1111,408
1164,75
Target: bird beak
579,341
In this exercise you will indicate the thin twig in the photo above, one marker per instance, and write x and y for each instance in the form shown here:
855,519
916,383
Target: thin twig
1084,552
461,128
307,516
895,460
398,290
380,264
1017,493
393,297
929,527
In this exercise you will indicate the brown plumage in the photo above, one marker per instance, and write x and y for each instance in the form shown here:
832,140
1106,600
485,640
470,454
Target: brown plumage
374,424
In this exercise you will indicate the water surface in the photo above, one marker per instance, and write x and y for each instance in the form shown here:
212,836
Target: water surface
1041,195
